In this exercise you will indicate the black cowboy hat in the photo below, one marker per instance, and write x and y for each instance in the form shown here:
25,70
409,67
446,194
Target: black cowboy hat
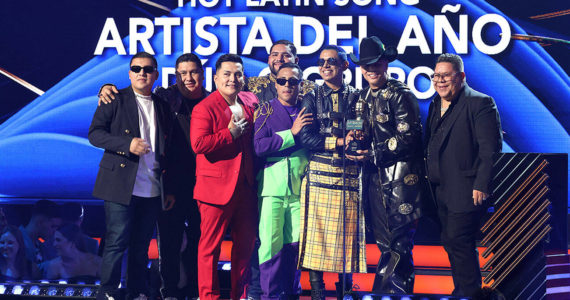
371,50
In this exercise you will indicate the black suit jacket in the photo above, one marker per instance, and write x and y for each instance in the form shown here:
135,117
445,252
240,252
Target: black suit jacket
113,127
460,149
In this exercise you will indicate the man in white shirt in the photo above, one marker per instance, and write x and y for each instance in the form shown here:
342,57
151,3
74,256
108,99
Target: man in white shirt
133,133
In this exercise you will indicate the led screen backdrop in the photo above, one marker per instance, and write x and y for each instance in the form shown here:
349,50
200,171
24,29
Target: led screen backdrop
69,49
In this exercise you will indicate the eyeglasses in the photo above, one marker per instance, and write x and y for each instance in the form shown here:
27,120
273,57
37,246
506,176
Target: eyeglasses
146,69
292,81
331,61
445,76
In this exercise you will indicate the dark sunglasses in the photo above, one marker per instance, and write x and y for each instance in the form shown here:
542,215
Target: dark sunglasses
292,81
146,69
331,60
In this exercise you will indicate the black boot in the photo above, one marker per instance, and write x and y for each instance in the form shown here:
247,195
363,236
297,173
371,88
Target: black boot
317,285
347,288
339,291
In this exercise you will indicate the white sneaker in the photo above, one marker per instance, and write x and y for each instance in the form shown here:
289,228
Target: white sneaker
108,297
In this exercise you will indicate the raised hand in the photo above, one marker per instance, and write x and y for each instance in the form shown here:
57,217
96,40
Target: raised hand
302,120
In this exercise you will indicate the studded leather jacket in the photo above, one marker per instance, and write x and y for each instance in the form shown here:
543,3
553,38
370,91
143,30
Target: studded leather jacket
396,141
326,123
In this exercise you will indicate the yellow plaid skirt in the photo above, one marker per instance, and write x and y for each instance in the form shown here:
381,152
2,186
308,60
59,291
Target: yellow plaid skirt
321,241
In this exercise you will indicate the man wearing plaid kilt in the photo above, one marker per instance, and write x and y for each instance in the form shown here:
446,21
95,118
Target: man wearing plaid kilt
332,220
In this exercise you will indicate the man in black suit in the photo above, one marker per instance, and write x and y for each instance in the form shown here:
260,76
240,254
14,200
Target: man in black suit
133,133
182,97
463,133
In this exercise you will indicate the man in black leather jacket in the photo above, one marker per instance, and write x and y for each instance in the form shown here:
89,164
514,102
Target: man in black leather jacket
395,179
323,241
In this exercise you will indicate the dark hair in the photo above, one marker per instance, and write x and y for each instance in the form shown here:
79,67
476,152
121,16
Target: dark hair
228,57
144,55
454,59
46,208
291,66
191,57
72,233
341,53
71,212
23,265
286,43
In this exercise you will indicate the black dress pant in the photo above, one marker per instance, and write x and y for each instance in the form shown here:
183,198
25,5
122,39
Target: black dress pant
171,228
458,236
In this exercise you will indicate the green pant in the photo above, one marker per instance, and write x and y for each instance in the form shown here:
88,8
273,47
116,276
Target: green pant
279,236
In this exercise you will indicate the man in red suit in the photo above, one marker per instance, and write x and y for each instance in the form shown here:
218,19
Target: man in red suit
221,137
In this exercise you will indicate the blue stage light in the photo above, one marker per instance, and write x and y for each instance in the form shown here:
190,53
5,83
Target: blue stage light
17,290
86,292
2,289
34,290
69,292
52,291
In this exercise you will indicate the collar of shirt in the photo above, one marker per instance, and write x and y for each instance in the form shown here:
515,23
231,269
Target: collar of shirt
327,90
143,97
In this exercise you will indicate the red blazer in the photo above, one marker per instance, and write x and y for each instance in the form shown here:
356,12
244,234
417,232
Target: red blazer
218,156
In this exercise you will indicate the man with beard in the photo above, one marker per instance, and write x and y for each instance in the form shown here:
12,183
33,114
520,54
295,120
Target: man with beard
282,51
182,97
395,189
330,188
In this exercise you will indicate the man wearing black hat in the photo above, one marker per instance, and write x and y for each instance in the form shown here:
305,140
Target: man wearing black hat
394,194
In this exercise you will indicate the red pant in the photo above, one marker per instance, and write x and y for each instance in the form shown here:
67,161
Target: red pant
241,214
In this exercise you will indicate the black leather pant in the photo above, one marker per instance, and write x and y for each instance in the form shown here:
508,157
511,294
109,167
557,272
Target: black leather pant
395,270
